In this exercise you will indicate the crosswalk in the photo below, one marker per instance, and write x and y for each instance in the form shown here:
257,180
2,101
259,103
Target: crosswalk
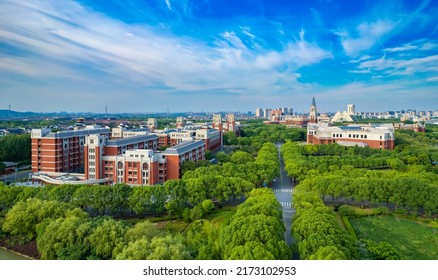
283,190
286,204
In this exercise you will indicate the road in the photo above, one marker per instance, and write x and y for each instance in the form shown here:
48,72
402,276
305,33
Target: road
283,190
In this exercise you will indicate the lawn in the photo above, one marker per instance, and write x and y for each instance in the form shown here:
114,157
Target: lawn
222,215
413,240
174,225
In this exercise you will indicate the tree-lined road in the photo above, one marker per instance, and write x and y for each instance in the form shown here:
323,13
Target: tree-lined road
283,190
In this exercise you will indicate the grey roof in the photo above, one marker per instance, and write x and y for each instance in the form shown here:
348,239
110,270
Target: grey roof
184,147
9,163
351,128
131,140
76,133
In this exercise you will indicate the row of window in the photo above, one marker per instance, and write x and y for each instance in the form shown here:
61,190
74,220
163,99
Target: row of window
356,136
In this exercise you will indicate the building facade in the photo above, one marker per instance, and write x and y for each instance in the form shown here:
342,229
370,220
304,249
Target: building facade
376,137
98,146
177,155
61,151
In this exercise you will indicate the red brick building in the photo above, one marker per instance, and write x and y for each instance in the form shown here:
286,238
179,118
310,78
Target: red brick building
61,151
141,166
373,136
98,147
177,155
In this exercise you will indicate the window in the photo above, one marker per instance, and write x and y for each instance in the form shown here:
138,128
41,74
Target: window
91,141
365,136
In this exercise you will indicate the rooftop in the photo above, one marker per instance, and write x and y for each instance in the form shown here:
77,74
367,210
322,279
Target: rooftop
130,140
184,147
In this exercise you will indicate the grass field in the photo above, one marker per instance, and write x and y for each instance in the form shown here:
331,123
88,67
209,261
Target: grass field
413,240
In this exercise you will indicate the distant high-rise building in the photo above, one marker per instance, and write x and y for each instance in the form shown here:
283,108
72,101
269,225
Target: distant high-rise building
267,113
284,110
259,112
313,116
351,109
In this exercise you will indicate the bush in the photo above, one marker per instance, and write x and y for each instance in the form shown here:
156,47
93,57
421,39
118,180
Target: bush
381,211
197,213
401,211
346,210
186,215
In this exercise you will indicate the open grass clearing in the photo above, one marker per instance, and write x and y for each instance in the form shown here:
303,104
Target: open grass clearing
415,241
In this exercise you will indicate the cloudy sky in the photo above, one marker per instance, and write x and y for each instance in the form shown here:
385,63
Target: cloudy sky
217,55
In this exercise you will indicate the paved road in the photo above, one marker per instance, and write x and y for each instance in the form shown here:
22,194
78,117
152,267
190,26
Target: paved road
283,190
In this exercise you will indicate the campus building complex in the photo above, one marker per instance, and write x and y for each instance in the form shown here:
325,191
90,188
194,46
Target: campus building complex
61,151
138,166
373,136
97,155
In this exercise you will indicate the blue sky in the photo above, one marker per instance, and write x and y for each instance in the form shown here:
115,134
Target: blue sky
217,55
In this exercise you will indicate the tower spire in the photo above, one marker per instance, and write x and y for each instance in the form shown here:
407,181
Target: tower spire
313,116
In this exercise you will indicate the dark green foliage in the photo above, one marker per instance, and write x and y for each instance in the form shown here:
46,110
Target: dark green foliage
23,218
16,148
255,235
381,251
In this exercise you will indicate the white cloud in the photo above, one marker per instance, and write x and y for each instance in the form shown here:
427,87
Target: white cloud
432,79
368,34
61,40
168,4
428,64
406,47
429,46
360,71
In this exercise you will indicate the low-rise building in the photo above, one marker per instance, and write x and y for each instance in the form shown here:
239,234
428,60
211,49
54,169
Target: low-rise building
373,136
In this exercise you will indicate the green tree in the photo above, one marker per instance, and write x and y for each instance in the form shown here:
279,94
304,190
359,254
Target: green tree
328,253
23,218
230,138
177,200
65,238
144,229
159,248
106,237
381,251
188,165
240,157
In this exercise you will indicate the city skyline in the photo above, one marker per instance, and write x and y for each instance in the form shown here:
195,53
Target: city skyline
155,56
